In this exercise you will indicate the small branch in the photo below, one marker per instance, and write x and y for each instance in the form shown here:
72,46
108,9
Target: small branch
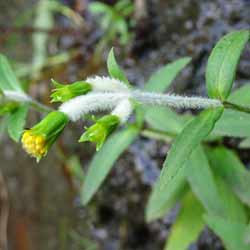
40,107
22,97
157,135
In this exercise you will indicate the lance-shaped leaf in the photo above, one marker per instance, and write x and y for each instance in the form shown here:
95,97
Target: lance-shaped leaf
166,120
160,81
231,233
114,69
159,205
8,80
188,224
226,164
173,168
218,198
234,210
241,95
233,123
222,63
16,122
193,133
202,182
104,159
163,77
247,235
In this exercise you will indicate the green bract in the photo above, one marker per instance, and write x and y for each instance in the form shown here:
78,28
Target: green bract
38,140
63,93
98,132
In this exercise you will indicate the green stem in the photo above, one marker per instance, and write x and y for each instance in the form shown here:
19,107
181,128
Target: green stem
157,135
40,107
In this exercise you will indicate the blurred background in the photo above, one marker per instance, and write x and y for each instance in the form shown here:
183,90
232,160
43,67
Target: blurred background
69,40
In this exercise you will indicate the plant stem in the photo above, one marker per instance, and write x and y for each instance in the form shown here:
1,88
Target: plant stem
40,107
157,135
22,97
175,101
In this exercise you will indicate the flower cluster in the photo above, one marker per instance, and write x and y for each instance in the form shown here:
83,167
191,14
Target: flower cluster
80,98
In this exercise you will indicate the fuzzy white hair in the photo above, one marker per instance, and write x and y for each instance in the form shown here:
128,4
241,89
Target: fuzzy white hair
123,110
17,96
175,101
85,104
106,84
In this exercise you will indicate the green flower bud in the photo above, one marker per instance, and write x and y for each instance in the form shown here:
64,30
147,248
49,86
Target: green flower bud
98,132
63,93
38,140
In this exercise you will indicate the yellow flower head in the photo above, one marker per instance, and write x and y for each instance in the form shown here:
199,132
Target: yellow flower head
38,140
35,145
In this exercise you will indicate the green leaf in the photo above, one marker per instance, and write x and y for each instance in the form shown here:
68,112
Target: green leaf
222,63
114,69
164,119
8,80
234,210
173,172
99,8
193,133
162,78
159,205
231,233
233,123
16,122
202,182
241,95
218,198
104,159
226,164
188,224
247,235
160,81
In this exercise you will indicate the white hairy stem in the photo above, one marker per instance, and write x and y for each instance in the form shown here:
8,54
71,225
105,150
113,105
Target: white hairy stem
24,98
174,101
92,102
16,96
119,102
